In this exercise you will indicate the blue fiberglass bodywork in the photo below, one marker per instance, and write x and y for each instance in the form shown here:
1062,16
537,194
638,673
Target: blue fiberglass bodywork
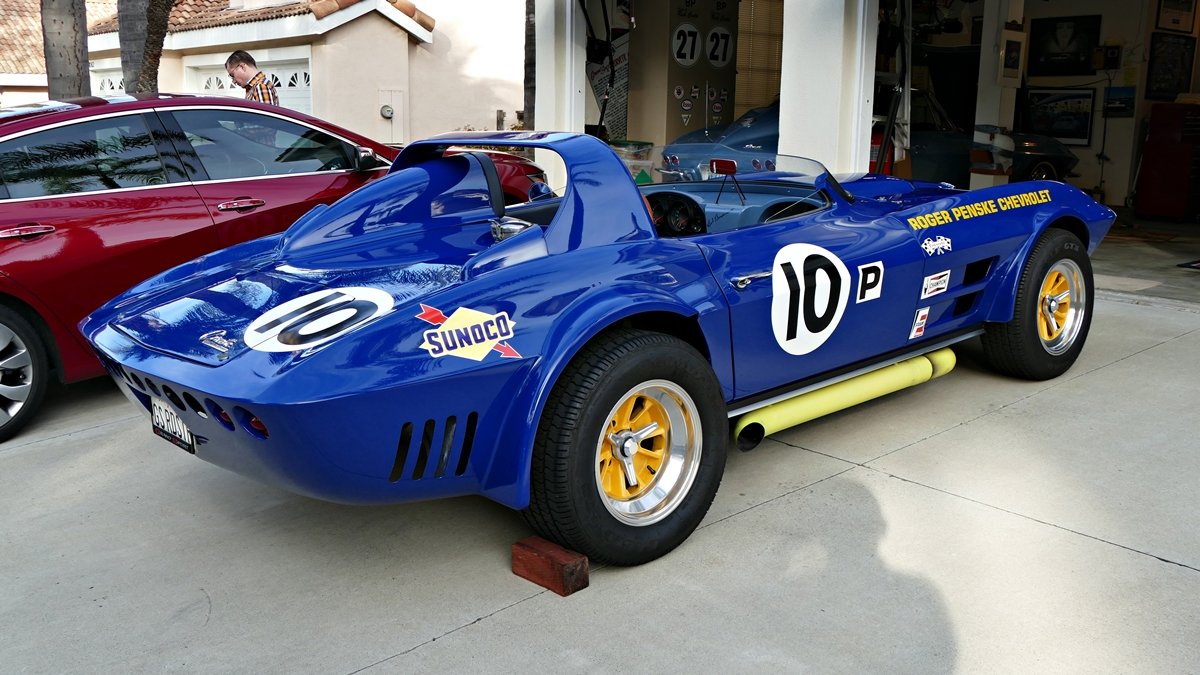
418,339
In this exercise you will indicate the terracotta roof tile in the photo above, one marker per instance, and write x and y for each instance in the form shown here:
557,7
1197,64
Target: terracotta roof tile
21,34
199,14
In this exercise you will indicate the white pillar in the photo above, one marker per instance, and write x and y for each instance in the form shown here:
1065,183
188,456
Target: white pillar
827,82
560,31
994,104
561,77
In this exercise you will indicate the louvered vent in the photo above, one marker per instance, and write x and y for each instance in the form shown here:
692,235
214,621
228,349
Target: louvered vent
433,448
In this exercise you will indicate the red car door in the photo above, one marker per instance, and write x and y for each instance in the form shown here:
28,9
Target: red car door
91,208
257,172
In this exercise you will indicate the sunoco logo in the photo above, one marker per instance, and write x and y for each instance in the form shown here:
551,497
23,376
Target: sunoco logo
467,333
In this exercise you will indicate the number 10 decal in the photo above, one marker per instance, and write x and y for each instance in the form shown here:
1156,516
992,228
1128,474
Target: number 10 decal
810,289
315,318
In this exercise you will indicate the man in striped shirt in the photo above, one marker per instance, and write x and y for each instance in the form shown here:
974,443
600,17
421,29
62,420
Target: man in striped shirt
245,73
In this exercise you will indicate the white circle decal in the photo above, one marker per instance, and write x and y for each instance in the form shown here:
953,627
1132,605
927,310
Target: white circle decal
315,318
720,49
685,44
809,291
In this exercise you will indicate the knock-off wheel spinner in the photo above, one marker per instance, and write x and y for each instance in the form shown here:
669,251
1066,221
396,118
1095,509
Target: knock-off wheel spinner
648,453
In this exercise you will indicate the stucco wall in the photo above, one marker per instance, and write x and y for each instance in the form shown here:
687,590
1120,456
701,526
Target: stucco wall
475,66
10,96
170,72
356,69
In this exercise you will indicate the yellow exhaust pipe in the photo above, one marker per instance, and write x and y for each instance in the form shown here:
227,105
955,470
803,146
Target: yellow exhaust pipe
754,426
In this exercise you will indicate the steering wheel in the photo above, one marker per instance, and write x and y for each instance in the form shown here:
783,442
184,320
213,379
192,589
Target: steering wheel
676,215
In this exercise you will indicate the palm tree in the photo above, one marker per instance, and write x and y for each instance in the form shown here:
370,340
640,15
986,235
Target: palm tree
142,27
64,43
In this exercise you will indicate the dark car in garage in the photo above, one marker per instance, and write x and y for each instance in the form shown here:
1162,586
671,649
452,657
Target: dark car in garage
940,151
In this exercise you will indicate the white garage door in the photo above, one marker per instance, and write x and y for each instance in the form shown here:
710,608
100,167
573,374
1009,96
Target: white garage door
292,82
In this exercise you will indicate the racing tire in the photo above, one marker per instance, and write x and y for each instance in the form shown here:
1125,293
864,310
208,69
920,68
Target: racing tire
631,403
24,372
1042,171
1052,313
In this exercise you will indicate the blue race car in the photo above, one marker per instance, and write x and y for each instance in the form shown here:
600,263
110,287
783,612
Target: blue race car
587,356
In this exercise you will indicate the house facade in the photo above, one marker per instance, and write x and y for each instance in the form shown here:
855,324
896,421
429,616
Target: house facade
387,69
22,59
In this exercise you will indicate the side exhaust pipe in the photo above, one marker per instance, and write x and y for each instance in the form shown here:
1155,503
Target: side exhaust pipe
756,425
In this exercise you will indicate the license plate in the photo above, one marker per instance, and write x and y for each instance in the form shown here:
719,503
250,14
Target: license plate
167,424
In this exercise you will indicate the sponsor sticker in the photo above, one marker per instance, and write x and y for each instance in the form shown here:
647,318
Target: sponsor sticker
978,209
935,284
919,320
467,333
936,245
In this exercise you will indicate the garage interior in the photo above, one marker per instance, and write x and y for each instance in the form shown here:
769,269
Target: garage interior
1107,91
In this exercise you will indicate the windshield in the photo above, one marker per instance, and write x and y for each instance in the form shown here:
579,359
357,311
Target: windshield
695,162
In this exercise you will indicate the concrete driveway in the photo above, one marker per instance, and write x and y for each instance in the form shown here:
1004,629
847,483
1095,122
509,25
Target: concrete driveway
972,524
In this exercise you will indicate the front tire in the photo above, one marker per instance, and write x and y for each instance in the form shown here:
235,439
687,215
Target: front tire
630,449
1052,313
24,372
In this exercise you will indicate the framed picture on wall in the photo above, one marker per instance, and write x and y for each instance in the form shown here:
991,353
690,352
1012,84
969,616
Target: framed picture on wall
1012,58
1063,45
1178,15
1169,72
1065,114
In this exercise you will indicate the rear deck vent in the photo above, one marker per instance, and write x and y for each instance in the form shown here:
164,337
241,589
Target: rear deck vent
977,271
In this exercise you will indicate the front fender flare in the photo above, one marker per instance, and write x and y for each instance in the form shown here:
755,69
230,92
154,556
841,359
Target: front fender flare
507,480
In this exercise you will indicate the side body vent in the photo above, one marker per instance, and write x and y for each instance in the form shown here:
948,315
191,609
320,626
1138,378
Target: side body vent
434,449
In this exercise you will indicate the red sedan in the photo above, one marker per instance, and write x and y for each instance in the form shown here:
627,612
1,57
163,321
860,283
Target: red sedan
99,194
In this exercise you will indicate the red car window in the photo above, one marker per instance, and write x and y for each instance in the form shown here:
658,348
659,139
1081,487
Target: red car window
104,154
238,144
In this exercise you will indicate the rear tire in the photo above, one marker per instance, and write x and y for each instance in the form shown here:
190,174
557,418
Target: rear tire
1042,171
1052,313
630,449
24,372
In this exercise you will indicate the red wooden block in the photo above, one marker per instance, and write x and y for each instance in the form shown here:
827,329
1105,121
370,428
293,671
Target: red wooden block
550,565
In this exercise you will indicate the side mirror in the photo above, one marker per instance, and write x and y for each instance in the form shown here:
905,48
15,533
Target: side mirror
539,190
364,159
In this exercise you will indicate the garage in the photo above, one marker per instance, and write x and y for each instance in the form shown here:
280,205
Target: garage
963,71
